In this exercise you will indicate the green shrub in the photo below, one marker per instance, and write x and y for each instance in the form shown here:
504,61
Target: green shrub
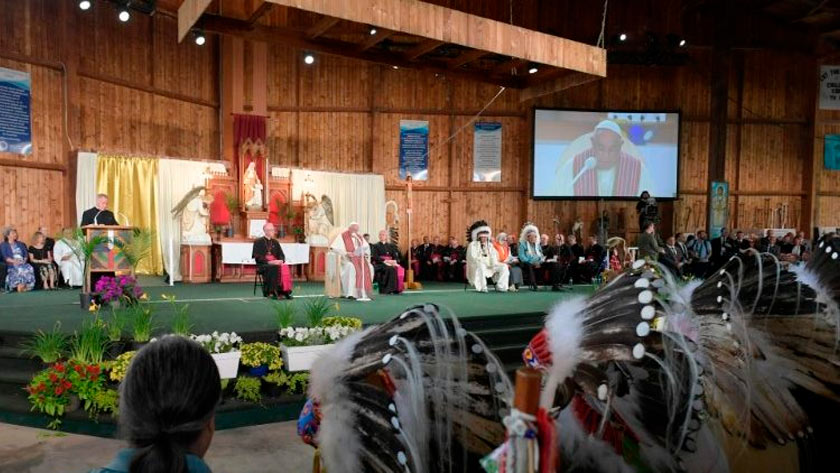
90,343
316,309
293,383
284,314
259,353
48,346
248,389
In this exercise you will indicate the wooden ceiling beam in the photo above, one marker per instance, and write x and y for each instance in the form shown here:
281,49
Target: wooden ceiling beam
424,47
323,25
452,26
260,11
466,57
374,39
188,13
296,39
507,66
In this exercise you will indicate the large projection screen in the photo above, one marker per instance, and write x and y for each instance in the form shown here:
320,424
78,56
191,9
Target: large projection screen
582,154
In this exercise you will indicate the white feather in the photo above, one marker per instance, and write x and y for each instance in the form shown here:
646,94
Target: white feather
564,326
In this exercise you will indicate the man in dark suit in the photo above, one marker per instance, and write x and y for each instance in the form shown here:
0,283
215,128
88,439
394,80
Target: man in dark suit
271,263
99,215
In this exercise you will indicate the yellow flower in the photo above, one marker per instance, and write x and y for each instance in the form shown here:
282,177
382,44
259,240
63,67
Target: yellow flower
168,297
93,307
144,297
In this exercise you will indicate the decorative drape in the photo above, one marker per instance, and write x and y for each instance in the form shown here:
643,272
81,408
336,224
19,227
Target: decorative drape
249,127
85,182
176,177
132,187
355,197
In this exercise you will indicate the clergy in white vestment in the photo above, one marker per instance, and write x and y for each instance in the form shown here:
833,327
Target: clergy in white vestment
67,254
355,271
483,260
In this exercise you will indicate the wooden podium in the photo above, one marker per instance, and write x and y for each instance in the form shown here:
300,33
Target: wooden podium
107,257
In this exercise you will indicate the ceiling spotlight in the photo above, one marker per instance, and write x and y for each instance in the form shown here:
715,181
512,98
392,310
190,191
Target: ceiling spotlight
372,31
309,59
84,4
622,37
682,42
124,15
532,70
200,39
396,67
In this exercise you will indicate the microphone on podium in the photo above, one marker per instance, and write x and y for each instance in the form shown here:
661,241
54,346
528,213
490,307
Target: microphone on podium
587,165
127,221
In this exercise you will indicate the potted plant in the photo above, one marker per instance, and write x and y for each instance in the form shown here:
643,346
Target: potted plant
83,250
48,346
114,290
299,236
115,326
119,366
181,323
301,346
90,343
65,386
280,383
224,348
261,357
248,389
232,203
142,318
49,393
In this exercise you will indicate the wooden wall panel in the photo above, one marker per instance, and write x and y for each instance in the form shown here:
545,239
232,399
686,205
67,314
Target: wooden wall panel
283,64
183,68
282,138
828,212
31,198
404,89
116,49
771,157
335,82
334,141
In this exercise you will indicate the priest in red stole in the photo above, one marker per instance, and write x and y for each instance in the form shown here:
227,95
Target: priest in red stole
271,263
355,272
386,262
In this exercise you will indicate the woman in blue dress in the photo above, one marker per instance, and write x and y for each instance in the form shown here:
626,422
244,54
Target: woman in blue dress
20,276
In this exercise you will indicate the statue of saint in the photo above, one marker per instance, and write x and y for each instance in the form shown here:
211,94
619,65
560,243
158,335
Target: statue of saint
252,187
194,220
320,219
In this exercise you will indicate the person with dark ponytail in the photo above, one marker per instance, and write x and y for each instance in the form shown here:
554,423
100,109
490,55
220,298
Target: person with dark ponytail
167,409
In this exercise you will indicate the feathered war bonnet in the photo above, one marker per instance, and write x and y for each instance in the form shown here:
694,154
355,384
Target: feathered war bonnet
528,228
476,228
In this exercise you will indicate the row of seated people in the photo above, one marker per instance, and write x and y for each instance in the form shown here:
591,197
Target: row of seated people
45,264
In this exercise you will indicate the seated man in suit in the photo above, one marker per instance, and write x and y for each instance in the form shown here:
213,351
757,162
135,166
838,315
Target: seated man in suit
99,215
271,263
385,257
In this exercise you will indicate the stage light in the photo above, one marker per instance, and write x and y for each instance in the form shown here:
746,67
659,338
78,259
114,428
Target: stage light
124,15
622,37
532,70
396,67
84,4
309,59
372,31
682,42
200,39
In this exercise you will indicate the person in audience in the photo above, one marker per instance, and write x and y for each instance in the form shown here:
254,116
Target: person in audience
355,273
20,275
423,254
764,243
416,258
434,260
576,253
564,257
42,261
594,258
168,403
483,261
99,215
772,246
798,247
366,236
786,245
805,242
648,245
682,249
671,256
722,248
505,256
453,258
271,263
67,254
701,253
741,242
530,253
388,273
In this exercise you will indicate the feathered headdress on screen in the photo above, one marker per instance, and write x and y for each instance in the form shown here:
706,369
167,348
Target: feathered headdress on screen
477,227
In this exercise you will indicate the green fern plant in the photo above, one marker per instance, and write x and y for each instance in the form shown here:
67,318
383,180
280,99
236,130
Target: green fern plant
48,346
316,309
139,248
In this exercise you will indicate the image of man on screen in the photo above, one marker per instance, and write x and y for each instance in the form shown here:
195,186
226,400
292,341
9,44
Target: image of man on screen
606,168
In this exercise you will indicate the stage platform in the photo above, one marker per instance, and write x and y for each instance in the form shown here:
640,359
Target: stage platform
505,321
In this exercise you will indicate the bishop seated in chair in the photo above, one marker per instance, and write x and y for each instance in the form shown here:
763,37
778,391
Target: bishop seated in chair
386,261
271,264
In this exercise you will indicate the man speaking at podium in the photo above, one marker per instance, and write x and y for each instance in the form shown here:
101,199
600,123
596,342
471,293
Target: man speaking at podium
99,215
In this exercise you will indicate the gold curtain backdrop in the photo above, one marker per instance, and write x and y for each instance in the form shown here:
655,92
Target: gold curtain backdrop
131,184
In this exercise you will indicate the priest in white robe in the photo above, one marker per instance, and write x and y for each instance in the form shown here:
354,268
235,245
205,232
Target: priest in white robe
68,256
355,271
483,260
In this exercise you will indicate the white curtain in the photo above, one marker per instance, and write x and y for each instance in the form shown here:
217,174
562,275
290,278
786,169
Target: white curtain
355,197
85,182
176,177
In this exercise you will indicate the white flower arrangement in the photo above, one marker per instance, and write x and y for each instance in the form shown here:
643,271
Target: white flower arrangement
219,342
302,336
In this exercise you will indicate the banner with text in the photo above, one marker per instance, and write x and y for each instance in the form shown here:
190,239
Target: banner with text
487,152
414,149
830,87
15,129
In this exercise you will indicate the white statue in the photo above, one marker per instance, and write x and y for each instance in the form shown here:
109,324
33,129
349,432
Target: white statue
194,219
320,220
253,187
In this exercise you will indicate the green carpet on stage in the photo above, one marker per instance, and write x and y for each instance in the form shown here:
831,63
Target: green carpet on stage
233,307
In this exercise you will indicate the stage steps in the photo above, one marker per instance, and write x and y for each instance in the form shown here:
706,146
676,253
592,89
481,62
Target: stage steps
505,335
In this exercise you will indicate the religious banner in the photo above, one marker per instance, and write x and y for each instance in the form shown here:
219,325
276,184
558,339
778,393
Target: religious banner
830,87
487,152
249,134
414,149
831,152
718,207
15,124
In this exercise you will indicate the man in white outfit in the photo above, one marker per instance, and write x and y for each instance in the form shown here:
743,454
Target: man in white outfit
483,260
356,272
